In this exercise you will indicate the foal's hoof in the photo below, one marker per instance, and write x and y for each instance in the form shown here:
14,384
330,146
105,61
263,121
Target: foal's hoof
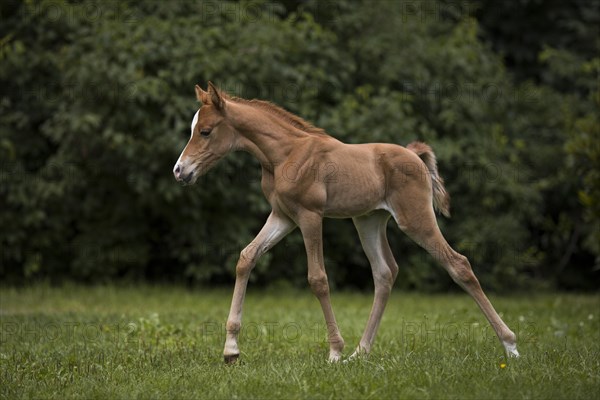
358,354
231,358
511,350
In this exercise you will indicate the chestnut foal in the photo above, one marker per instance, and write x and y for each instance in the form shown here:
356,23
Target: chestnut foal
308,175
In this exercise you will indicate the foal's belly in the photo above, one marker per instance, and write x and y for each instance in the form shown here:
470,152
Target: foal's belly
354,191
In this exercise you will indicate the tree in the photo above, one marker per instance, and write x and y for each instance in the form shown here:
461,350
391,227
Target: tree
97,100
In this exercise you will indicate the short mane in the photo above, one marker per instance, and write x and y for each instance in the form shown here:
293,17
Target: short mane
293,119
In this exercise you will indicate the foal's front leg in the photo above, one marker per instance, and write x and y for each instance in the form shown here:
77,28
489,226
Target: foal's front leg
311,226
275,229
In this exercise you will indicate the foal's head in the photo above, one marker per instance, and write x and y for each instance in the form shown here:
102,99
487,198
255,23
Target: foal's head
211,138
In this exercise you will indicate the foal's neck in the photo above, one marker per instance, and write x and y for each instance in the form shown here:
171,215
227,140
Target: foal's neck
269,138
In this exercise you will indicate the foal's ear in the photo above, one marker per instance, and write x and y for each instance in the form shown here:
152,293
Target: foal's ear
201,95
216,97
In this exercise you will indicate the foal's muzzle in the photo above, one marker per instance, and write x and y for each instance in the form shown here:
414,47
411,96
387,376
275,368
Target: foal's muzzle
181,176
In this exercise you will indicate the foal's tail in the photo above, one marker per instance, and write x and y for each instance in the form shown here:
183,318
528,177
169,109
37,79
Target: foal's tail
441,198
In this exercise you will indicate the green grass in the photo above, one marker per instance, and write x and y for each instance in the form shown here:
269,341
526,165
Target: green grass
166,342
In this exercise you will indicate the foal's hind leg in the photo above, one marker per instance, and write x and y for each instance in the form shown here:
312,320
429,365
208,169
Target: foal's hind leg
372,232
420,224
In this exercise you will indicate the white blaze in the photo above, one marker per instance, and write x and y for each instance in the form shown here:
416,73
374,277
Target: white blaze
194,122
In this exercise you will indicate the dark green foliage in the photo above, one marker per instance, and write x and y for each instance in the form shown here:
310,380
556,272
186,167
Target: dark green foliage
97,99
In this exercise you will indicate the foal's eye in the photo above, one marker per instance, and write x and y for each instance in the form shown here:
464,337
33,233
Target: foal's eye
205,132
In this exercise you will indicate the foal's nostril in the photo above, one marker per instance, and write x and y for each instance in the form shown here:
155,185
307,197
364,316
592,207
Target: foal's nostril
177,172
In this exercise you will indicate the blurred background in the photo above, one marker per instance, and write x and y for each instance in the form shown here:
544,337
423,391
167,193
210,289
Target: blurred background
97,99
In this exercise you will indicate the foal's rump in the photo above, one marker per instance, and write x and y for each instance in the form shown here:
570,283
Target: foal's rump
413,183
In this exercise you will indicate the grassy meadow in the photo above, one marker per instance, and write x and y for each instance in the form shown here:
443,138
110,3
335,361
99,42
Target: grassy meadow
166,342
